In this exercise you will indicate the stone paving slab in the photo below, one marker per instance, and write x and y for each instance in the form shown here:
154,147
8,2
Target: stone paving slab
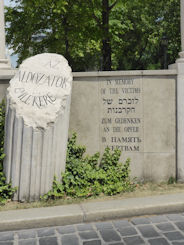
97,211
114,232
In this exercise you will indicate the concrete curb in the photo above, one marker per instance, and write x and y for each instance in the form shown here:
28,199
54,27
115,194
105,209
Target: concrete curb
90,211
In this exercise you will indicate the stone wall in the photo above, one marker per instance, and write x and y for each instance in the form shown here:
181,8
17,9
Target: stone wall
132,110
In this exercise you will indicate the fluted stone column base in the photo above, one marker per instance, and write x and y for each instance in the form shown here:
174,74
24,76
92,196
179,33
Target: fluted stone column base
34,156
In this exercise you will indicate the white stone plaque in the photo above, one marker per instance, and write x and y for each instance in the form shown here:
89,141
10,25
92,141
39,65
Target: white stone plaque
40,88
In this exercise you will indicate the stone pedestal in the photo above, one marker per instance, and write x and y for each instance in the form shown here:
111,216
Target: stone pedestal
37,120
4,64
179,66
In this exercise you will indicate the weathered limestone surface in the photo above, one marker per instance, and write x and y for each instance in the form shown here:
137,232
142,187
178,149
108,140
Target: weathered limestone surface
179,66
37,119
134,111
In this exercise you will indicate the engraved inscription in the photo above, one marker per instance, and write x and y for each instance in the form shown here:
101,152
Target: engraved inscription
41,79
121,114
52,64
34,100
40,89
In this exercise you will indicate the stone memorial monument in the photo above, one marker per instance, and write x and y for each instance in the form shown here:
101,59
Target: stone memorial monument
37,120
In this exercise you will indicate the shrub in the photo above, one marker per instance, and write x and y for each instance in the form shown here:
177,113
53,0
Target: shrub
6,191
90,176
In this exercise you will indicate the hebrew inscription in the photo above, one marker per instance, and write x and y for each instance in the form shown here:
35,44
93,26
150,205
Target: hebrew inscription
121,114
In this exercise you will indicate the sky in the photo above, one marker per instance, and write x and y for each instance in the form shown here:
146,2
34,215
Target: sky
8,2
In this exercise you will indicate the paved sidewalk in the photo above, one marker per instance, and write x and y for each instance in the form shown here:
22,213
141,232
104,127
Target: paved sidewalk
153,230
90,212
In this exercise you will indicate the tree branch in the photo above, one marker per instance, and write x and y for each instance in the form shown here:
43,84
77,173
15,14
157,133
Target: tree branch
93,14
112,6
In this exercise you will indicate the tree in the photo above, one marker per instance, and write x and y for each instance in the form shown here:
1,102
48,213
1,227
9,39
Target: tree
102,22
96,34
138,33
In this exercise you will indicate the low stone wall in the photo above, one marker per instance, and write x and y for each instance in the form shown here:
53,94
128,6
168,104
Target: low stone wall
5,76
134,111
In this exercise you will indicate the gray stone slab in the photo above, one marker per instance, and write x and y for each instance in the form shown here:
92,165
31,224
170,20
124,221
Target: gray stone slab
110,235
84,227
175,235
104,225
28,242
6,243
158,219
158,241
70,240
180,225
87,235
94,242
121,223
148,231
133,240
26,234
66,229
166,227
140,221
117,243
46,232
6,236
48,241
175,217
177,243
127,231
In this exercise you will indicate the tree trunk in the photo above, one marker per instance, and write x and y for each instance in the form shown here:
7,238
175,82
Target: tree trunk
106,45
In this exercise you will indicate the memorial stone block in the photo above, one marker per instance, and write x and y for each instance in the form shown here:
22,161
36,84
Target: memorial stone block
133,111
36,128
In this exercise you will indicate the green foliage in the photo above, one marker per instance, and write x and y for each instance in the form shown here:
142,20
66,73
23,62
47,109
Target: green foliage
6,191
171,180
87,32
90,176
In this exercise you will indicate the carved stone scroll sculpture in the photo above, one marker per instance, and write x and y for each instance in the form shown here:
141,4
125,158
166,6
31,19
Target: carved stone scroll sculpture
36,126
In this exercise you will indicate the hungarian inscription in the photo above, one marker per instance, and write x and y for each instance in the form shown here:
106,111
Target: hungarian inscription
121,114
39,80
34,100
40,88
